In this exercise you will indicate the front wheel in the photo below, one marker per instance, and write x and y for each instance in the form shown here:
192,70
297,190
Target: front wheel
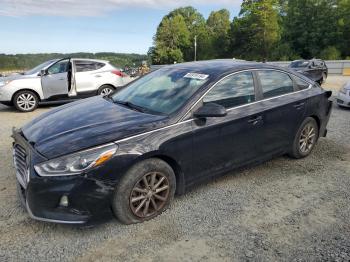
26,101
144,192
305,138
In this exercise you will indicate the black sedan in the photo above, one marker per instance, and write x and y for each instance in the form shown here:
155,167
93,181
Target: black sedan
315,69
128,153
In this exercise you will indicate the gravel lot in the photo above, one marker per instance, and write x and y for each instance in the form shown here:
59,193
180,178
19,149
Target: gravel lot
289,210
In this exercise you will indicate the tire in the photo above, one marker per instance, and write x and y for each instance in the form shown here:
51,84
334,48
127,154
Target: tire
26,101
305,139
105,90
132,187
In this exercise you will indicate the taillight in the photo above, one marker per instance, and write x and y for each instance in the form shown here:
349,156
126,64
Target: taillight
118,73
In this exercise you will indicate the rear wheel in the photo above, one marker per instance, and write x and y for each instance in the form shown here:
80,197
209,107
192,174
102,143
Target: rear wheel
26,101
144,192
105,90
305,138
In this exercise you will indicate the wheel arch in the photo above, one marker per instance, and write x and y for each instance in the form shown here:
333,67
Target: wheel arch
103,85
318,121
179,175
25,89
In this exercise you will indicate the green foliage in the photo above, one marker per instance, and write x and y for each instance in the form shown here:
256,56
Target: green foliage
311,26
27,61
218,28
256,31
344,27
264,29
330,53
172,37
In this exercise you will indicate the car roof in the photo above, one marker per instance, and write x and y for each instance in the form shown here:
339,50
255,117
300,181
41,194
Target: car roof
88,59
223,66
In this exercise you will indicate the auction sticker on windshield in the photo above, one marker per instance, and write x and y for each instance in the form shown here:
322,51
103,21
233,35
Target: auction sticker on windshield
196,76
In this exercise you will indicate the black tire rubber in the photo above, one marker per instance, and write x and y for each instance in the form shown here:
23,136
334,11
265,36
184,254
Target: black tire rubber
120,203
295,151
14,100
103,87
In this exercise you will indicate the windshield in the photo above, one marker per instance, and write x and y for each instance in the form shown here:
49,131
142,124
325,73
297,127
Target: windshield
162,91
38,68
299,64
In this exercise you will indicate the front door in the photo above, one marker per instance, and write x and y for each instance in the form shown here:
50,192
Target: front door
221,143
56,81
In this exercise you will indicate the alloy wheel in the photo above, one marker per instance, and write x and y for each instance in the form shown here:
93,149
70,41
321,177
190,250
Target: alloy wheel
149,195
26,101
106,91
307,138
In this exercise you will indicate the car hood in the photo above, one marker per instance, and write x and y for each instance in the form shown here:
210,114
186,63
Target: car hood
17,76
86,123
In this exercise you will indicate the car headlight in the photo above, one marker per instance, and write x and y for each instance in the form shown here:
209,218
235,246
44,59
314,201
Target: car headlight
77,163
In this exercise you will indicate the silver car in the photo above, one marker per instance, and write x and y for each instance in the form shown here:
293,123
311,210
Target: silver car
60,80
343,98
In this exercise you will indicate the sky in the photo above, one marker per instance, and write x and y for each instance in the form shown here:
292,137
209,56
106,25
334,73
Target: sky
67,26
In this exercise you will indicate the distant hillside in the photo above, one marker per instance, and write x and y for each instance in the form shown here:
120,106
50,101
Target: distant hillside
27,61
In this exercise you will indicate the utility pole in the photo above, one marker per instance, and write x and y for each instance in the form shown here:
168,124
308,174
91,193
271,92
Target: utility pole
195,48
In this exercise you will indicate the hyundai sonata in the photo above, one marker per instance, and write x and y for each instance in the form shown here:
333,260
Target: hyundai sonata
129,152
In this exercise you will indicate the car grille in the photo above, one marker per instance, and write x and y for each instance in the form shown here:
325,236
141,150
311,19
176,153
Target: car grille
20,161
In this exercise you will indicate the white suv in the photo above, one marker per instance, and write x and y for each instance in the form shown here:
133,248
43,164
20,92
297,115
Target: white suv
60,80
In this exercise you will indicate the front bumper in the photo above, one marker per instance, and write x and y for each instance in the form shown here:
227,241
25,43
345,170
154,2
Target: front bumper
89,196
343,99
6,93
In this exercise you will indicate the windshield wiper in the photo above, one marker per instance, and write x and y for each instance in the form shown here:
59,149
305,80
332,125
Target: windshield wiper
130,105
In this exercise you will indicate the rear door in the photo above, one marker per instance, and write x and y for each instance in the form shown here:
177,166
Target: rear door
87,75
56,81
283,110
220,143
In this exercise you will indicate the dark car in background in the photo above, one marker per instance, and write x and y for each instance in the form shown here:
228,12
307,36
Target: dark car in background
315,69
129,152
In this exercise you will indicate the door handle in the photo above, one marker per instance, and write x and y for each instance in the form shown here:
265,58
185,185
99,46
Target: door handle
61,79
98,76
255,120
299,105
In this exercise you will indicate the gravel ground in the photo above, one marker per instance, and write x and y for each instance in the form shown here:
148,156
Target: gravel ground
289,210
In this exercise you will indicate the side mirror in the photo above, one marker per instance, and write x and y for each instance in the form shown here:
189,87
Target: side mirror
43,72
210,110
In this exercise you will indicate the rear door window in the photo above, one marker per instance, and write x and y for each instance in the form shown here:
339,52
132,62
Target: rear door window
275,83
85,66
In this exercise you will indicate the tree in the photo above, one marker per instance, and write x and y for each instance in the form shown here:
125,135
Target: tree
196,26
218,27
256,30
344,27
172,36
311,26
330,53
